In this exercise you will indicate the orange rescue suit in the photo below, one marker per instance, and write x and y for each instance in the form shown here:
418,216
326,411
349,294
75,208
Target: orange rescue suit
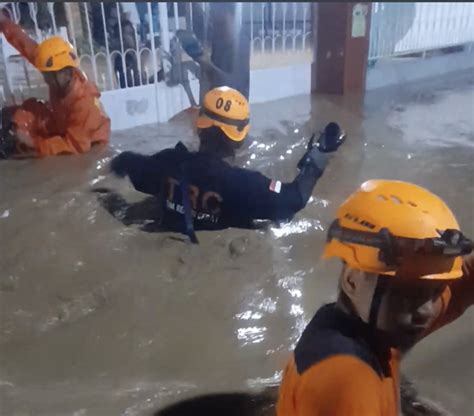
65,125
334,370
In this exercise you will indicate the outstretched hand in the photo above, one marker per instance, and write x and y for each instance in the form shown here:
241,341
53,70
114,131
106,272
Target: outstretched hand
328,142
4,16
190,44
331,138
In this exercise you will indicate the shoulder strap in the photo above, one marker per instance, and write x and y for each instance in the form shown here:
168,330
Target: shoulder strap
188,217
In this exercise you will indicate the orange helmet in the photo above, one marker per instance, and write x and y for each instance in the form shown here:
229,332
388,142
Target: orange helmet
54,54
227,109
397,228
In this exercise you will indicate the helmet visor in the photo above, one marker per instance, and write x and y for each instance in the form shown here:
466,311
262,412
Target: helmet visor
410,257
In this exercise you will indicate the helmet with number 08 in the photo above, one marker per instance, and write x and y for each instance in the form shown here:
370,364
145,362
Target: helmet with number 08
227,109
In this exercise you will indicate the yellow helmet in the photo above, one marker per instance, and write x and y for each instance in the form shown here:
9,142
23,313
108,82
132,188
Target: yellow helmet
398,229
54,54
227,109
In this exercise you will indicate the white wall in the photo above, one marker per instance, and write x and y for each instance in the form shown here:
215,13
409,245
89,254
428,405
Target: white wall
150,104
398,71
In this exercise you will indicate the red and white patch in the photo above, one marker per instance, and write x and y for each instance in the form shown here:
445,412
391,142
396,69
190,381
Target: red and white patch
275,186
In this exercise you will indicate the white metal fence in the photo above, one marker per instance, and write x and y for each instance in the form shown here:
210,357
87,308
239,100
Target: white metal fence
406,28
127,44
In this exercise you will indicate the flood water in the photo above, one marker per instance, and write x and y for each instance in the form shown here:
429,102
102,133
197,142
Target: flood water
101,319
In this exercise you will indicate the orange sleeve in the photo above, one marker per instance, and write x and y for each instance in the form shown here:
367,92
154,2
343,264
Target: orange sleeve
19,40
341,385
85,119
55,145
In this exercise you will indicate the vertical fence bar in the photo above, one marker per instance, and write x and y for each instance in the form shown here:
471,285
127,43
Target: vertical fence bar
164,29
191,16
470,22
53,17
443,19
15,12
305,15
67,6
107,50
450,23
424,31
124,66
468,12
294,26
461,21
454,27
284,5
456,38
437,16
205,22
462,17
446,20
374,35
251,27
439,26
164,34
33,9
274,7
152,43
400,20
89,32
262,45
432,21
176,17
138,56
381,22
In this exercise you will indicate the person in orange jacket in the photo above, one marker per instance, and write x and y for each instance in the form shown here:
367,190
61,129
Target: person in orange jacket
73,119
406,272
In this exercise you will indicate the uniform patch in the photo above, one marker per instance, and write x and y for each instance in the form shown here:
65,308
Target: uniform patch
275,186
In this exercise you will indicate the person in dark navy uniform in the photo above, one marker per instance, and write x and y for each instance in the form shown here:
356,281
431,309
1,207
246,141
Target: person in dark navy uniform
201,191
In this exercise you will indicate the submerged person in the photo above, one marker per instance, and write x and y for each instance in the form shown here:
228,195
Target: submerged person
403,276
201,191
71,122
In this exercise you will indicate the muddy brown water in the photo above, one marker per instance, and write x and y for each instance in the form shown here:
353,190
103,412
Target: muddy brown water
102,319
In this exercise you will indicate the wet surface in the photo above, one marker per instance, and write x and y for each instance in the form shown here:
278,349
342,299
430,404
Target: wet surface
102,319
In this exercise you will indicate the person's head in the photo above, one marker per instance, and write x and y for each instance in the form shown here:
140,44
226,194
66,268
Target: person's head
400,245
56,59
223,121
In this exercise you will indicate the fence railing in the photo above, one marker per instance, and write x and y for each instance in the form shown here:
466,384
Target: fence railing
407,28
127,44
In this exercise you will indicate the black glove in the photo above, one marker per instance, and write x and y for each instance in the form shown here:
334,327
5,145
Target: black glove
331,138
329,141
190,44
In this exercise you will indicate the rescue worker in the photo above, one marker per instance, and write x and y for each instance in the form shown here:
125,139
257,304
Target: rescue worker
199,190
73,119
403,277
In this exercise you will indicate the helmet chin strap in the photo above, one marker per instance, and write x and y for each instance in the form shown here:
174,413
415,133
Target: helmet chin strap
380,289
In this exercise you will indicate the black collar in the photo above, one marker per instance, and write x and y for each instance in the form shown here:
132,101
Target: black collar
332,332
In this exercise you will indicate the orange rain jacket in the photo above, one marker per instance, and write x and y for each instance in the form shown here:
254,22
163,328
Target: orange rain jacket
65,125
332,372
